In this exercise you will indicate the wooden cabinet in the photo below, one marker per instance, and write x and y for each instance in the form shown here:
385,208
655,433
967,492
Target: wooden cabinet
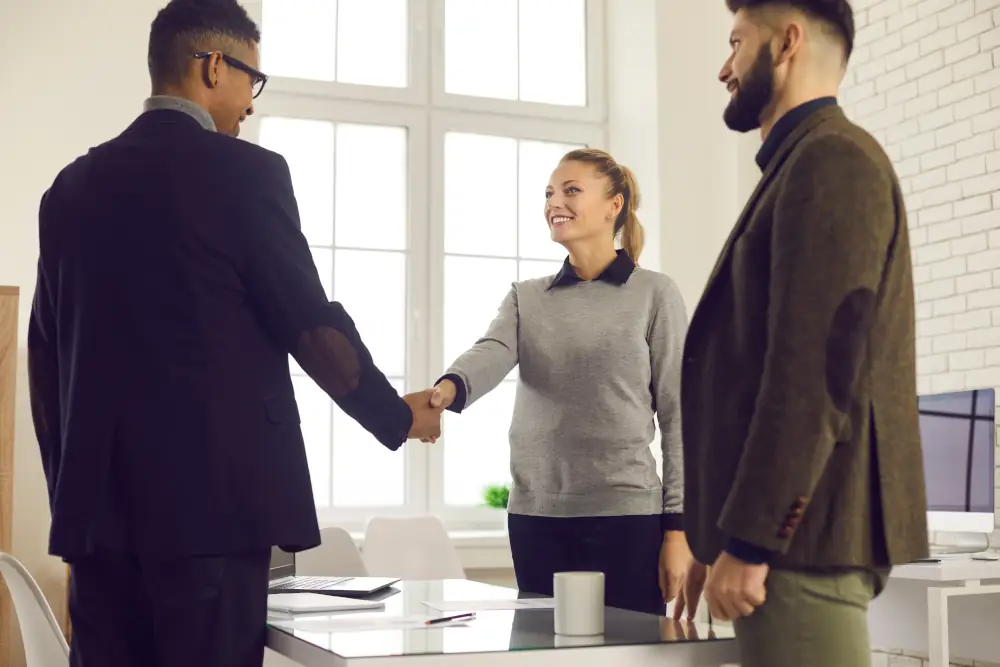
8,373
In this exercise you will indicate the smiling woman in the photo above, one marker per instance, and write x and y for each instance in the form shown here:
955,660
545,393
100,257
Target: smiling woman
608,181
598,349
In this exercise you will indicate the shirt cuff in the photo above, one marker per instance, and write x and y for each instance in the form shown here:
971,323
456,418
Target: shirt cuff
461,395
672,522
748,553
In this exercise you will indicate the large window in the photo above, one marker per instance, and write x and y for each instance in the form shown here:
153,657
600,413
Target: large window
420,135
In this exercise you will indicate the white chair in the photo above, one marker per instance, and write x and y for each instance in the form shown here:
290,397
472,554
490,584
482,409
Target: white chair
44,643
336,556
416,548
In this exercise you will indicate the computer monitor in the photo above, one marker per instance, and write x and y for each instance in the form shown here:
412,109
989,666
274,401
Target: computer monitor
958,436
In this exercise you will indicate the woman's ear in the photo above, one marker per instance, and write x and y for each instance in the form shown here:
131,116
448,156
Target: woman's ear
617,203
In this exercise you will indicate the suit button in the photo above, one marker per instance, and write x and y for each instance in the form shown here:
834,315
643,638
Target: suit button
784,533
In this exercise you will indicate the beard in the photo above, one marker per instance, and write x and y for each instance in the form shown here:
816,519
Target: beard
754,93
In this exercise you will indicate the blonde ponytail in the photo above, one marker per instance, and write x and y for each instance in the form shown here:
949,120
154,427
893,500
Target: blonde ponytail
632,236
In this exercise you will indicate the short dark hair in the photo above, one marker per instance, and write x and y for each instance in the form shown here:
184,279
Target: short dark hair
184,27
837,15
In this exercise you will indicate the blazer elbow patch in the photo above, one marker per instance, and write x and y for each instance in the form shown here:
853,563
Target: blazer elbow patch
328,356
845,343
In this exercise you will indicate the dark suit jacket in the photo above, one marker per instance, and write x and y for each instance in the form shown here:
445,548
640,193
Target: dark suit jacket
173,282
799,383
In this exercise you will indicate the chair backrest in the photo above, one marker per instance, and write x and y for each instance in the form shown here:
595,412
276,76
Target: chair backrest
44,643
411,548
337,555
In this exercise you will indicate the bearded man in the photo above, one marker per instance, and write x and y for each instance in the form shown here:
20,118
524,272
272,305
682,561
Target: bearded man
803,468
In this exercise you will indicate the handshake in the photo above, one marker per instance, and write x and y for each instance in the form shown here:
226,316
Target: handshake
427,406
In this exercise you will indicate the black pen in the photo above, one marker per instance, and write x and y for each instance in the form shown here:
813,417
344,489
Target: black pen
445,619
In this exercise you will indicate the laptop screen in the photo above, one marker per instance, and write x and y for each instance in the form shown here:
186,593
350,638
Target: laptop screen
282,564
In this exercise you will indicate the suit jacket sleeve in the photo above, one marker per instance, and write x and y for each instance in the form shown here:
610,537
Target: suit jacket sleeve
43,372
834,224
284,287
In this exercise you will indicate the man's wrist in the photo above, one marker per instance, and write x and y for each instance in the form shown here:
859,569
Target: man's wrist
748,553
672,522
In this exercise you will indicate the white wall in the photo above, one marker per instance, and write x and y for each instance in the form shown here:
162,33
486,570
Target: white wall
925,80
665,112
633,109
706,170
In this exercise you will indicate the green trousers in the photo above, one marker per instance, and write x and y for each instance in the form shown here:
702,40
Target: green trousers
811,619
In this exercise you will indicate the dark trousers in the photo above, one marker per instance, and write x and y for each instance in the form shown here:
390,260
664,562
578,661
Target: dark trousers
625,548
134,611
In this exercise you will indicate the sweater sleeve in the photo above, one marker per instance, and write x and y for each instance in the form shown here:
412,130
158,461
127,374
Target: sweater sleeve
667,331
484,365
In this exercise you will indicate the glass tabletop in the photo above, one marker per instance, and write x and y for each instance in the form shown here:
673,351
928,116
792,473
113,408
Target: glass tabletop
370,634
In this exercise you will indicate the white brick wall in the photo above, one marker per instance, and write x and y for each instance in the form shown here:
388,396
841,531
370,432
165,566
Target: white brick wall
925,80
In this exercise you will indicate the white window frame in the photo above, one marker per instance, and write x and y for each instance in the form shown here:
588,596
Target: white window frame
415,93
415,121
595,111
428,113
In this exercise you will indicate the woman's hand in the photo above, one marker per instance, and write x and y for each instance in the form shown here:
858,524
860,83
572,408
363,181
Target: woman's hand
675,561
444,394
690,593
441,397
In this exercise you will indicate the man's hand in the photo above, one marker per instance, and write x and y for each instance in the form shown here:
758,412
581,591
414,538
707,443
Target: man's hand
689,595
675,560
426,418
734,588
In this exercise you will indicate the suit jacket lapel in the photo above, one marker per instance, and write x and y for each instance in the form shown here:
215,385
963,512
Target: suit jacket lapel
767,177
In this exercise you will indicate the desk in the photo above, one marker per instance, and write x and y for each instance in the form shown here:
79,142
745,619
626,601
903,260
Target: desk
499,638
913,613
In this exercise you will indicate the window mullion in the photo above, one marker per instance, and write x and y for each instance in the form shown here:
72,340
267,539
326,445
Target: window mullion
428,115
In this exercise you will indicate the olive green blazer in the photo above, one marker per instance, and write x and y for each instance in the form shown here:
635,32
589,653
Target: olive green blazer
799,381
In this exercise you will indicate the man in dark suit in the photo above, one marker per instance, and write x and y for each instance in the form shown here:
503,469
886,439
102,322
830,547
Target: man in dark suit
804,475
173,283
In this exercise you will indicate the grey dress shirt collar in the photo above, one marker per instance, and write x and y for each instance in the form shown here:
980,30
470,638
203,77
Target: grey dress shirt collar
182,105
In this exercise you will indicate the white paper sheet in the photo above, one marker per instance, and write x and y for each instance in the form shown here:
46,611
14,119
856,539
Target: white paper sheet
360,623
491,605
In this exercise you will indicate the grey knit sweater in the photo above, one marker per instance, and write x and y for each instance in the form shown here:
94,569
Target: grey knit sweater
598,361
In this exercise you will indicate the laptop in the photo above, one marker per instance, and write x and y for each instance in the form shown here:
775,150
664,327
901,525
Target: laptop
317,603
282,579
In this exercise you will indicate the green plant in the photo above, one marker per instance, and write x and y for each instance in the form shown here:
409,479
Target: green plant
497,496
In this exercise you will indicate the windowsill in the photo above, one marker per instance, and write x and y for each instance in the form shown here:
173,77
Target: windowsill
477,549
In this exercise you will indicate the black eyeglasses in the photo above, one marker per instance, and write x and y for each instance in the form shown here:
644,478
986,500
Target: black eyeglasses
258,79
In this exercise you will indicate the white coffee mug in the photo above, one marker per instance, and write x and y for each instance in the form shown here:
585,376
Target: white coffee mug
579,599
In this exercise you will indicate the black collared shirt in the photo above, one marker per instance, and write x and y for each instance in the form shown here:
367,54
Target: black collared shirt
785,125
617,272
